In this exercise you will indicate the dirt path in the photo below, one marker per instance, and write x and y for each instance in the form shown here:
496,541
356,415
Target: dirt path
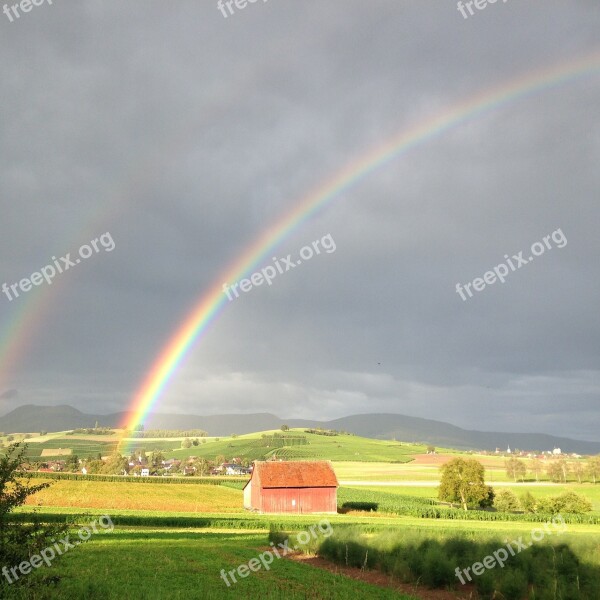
380,579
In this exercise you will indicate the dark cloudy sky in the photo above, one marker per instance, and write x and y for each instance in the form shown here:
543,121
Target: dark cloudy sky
185,135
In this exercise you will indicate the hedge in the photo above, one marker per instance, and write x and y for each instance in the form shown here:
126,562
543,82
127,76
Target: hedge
129,479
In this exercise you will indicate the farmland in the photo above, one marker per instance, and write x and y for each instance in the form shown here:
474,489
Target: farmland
179,542
172,536
188,498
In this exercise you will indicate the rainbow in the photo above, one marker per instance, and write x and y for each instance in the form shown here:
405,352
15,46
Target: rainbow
213,302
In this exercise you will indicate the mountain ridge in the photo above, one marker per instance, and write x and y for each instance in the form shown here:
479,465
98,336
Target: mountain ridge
32,418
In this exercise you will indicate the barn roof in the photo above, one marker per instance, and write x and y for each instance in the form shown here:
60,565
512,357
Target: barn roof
302,474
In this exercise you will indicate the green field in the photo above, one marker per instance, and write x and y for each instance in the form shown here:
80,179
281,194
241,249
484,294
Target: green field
172,538
159,563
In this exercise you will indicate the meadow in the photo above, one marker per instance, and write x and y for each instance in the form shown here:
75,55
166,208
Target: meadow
158,563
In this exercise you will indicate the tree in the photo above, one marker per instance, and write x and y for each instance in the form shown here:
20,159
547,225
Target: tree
593,468
554,471
569,502
157,458
506,501
195,442
220,459
536,467
19,541
285,428
515,468
430,449
558,470
201,465
186,443
578,469
94,466
115,465
72,462
528,502
463,481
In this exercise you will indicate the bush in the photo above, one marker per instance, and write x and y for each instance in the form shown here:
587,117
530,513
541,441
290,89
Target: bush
569,502
513,586
528,502
19,540
506,501
438,569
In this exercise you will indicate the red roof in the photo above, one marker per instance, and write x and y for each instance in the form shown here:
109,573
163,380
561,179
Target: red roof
295,474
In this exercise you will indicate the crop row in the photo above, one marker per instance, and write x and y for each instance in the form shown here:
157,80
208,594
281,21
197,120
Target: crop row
426,508
123,479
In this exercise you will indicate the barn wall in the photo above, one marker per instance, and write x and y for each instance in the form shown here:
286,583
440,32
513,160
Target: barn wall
248,496
299,500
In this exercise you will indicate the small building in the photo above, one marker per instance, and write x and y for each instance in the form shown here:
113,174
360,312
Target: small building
300,487
235,469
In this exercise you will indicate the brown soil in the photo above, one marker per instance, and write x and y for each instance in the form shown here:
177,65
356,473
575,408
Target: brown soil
380,579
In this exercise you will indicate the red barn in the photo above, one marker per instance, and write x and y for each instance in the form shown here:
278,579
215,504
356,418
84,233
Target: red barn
292,487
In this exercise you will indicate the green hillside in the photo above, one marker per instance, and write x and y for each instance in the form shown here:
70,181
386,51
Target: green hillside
295,444
298,445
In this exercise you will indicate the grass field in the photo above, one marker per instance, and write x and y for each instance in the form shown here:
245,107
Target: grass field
163,563
422,467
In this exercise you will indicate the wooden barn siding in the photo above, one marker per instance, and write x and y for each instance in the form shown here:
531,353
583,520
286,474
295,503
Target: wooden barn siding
308,500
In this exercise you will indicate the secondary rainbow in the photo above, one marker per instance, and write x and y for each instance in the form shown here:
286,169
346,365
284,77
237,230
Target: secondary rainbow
213,302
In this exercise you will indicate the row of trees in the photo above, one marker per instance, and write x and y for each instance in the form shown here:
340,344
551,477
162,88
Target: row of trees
188,443
463,483
167,433
557,469
569,502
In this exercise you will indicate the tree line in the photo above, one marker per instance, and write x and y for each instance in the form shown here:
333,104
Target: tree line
558,469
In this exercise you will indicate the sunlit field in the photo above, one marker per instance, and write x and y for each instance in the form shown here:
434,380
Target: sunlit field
189,498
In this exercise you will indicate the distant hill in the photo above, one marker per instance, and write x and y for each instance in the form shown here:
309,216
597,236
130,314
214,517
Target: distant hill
31,419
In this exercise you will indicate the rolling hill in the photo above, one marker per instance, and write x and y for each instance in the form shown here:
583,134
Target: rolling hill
32,418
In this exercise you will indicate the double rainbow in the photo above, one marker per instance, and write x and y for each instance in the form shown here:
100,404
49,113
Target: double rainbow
213,302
